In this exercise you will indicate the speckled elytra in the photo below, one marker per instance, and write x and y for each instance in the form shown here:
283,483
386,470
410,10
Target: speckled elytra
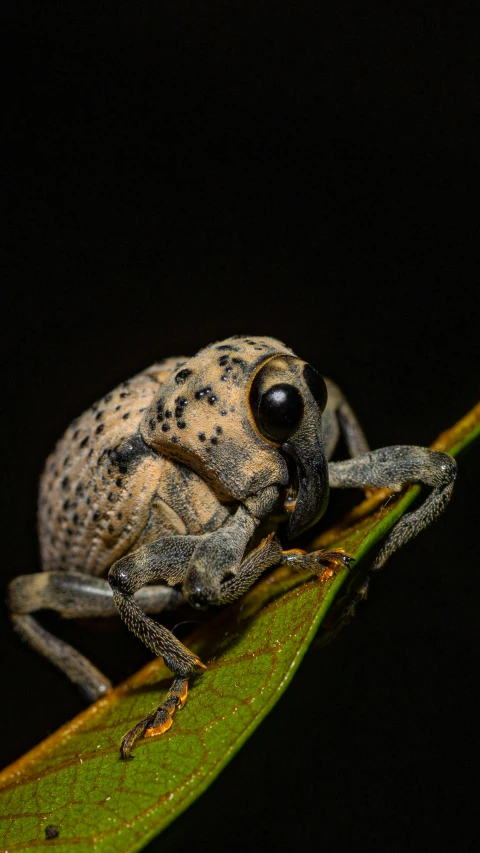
169,479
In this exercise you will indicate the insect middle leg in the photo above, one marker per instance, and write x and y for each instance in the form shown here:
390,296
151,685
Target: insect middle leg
73,595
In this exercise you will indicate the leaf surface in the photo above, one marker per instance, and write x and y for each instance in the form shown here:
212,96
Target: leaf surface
75,780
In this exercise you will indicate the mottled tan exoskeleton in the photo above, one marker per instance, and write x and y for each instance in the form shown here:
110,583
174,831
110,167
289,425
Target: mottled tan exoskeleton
167,479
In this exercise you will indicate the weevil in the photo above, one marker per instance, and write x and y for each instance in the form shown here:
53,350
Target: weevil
158,493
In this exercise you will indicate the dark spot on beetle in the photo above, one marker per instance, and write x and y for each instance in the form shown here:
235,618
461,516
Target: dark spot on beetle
51,831
111,496
96,515
224,377
182,376
212,399
65,483
75,518
49,512
141,410
66,543
107,398
165,427
95,488
111,528
99,415
252,343
151,423
84,441
223,412
125,394
202,436
66,504
66,460
59,519
126,416
100,428
118,482
232,408
226,347
89,453
126,383
129,453
259,349
178,412
79,489
87,501
214,440
202,391
174,438
237,360
76,434
168,413
218,430
119,515
69,531
160,418
181,424
181,401
117,408
223,360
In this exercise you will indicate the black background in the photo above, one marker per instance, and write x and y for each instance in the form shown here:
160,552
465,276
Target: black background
184,171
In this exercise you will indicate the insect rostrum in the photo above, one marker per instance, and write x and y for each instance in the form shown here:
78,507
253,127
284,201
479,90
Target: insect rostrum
155,495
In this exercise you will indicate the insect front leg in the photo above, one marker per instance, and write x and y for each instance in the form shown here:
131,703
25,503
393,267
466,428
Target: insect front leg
393,468
318,562
339,418
166,559
210,567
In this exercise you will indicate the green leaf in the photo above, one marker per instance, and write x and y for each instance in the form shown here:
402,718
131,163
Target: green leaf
75,779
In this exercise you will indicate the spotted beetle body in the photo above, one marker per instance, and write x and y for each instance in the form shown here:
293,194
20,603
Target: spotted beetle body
167,452
166,483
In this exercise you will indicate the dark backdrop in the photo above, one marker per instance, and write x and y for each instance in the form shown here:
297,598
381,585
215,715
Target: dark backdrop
180,172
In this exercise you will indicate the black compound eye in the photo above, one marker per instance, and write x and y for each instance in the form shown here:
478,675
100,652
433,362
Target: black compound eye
316,384
279,412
